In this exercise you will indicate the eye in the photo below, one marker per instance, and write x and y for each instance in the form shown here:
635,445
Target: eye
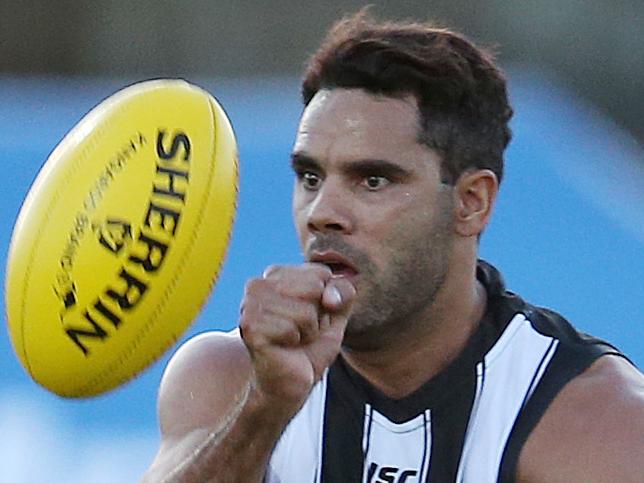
374,182
309,179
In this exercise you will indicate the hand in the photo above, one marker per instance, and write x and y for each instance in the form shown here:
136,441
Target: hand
293,321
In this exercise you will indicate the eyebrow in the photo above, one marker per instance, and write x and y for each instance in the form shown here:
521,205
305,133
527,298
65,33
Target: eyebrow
300,161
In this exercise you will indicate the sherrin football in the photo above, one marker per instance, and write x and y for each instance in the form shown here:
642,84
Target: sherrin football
121,237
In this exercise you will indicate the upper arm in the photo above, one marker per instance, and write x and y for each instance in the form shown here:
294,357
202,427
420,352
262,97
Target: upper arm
593,430
204,382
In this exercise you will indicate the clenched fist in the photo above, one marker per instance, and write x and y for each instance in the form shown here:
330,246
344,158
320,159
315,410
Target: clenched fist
292,322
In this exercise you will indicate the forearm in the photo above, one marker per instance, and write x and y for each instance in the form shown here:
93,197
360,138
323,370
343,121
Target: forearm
238,453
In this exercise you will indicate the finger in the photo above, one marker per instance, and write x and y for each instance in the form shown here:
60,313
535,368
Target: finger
331,298
344,291
303,281
325,321
338,295
276,317
319,269
269,332
302,314
271,271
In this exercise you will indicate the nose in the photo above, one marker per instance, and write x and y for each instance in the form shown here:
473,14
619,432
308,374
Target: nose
330,210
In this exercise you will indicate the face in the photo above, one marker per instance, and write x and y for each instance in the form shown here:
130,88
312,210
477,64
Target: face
368,202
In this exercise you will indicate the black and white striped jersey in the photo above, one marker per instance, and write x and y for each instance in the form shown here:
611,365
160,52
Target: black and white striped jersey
467,424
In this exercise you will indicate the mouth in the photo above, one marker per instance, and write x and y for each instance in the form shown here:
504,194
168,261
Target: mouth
340,266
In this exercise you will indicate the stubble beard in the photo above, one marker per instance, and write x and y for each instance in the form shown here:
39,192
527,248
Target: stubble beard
394,300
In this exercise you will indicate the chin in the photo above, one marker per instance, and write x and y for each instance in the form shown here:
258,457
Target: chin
365,334
365,342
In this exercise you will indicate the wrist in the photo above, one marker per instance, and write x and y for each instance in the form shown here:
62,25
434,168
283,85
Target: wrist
269,408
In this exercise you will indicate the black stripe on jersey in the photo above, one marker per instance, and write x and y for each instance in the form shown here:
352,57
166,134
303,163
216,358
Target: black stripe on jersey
369,417
449,424
531,386
426,448
483,372
342,456
566,364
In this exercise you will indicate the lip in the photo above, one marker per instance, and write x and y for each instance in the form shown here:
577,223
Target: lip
329,257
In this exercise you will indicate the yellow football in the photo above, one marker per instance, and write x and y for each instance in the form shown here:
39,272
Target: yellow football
121,237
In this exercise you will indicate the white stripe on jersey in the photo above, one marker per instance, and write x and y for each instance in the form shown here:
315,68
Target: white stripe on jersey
297,457
400,451
510,370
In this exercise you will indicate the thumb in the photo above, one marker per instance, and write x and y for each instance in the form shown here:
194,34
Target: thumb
337,300
338,296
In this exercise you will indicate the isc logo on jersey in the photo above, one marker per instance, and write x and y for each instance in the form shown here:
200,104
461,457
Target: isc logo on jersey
389,474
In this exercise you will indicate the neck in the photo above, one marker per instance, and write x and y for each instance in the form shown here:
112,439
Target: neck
427,347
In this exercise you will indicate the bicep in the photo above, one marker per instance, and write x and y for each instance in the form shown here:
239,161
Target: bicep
593,431
203,384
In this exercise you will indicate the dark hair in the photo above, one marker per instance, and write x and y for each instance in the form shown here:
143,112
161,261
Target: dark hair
461,94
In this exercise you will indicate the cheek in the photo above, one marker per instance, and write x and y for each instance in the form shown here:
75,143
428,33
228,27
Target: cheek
299,210
410,233
300,225
404,221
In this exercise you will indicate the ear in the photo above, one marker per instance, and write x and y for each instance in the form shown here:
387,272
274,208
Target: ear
475,193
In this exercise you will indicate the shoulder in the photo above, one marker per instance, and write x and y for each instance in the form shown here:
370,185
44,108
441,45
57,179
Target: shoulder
593,431
203,382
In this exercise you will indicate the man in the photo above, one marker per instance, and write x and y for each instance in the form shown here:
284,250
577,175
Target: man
393,354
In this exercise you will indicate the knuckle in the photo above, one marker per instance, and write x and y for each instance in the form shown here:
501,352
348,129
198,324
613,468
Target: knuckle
247,328
256,293
305,281
292,336
307,322
321,270
272,271
253,286
308,282
302,311
309,317
250,322
253,336
317,286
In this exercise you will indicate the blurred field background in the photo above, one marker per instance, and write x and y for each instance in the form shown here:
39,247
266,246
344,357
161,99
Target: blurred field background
569,226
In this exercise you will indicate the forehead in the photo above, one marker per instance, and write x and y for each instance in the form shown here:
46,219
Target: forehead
351,123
